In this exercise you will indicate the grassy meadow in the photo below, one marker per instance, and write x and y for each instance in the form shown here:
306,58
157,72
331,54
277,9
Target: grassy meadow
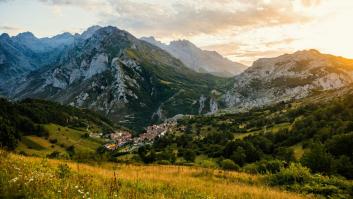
33,177
59,138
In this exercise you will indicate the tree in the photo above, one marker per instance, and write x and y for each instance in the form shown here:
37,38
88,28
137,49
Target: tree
318,160
228,164
239,156
8,135
344,166
189,155
286,154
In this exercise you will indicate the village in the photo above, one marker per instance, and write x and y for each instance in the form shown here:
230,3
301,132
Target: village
125,141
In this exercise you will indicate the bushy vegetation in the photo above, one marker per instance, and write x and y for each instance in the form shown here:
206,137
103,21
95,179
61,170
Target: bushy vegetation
299,178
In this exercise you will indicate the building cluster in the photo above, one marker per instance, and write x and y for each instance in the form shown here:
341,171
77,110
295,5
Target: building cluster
123,138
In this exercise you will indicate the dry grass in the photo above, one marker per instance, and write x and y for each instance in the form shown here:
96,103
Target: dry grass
39,178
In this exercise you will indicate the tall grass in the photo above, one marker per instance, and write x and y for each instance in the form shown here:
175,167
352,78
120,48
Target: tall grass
30,177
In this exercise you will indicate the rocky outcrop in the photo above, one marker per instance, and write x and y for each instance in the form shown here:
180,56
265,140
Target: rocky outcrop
287,77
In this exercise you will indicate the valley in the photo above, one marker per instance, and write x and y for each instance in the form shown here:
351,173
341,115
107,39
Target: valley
105,114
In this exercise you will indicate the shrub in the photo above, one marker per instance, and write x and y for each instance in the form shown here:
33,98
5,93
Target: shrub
298,178
163,162
53,140
294,174
207,163
189,155
264,166
63,171
228,164
71,150
54,154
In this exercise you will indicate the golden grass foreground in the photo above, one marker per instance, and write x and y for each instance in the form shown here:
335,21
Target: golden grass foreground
30,177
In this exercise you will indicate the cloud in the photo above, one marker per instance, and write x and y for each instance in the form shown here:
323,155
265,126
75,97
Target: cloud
4,1
186,19
309,3
248,56
10,29
182,18
226,49
285,41
87,4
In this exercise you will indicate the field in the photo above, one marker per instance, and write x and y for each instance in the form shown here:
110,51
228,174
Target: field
33,177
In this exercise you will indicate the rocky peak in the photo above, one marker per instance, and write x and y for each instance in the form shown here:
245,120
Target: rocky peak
89,32
25,35
182,43
64,35
4,36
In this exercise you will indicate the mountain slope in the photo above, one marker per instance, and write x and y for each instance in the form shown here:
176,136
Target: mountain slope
24,53
287,77
199,60
129,80
316,133
15,59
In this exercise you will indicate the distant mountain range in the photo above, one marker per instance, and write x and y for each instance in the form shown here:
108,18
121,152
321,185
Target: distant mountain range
109,70
24,52
202,61
136,83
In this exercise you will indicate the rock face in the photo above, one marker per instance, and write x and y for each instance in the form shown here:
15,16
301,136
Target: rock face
24,53
127,79
287,77
199,60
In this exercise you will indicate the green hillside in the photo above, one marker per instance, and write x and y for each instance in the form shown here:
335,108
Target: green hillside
317,135
42,128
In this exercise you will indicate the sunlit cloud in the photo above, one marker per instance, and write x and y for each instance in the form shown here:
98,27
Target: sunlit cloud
10,29
242,30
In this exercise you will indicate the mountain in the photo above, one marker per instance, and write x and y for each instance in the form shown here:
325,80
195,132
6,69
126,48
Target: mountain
199,60
136,83
127,79
15,58
24,53
64,39
288,77
89,32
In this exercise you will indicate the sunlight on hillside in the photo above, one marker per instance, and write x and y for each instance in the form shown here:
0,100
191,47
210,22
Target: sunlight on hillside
52,179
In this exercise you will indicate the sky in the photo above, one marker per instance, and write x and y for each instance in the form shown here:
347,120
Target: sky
241,30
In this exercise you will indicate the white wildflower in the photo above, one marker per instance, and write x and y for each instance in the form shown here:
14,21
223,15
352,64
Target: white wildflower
14,179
